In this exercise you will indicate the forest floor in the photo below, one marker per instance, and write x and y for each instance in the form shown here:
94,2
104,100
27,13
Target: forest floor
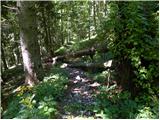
74,93
79,98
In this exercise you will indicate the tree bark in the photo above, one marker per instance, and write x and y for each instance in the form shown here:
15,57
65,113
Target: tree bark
93,66
94,14
68,28
105,7
45,29
62,39
29,43
3,59
49,34
90,52
124,69
89,31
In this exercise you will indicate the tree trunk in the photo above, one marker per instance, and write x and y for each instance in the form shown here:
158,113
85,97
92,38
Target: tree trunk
29,43
90,52
68,28
62,39
94,14
105,8
3,59
45,29
16,50
49,34
15,57
89,11
93,66
124,69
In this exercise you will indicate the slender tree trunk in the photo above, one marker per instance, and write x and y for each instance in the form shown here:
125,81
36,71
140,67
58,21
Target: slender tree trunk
29,43
4,59
94,15
62,39
45,29
98,11
15,57
49,35
18,54
68,27
105,7
89,11
16,51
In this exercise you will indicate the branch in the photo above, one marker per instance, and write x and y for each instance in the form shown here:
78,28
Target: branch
12,8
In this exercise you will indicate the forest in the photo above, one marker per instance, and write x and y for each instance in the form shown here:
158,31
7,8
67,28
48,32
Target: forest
79,59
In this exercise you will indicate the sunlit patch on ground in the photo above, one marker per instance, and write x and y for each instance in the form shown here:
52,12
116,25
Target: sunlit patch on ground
80,96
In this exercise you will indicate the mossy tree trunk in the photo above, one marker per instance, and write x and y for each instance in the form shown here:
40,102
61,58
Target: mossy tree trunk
124,68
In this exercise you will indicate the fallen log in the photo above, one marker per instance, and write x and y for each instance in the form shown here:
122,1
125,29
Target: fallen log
91,66
90,51
106,65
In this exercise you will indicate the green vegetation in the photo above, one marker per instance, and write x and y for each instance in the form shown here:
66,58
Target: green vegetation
39,101
120,105
80,59
112,103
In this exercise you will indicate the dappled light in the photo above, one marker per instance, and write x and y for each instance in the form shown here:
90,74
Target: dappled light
79,60
64,65
108,63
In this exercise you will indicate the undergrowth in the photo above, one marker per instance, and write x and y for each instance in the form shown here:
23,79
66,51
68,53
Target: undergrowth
39,101
121,105
112,103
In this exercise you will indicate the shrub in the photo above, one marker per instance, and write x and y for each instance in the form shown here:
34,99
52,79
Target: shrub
41,100
120,105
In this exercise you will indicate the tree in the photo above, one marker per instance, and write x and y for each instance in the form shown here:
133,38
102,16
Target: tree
3,59
135,44
10,33
29,43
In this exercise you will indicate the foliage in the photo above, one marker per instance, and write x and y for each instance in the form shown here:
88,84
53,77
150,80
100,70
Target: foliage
98,77
128,29
61,50
10,32
120,105
74,106
53,84
112,103
103,57
39,101
146,113
12,72
133,38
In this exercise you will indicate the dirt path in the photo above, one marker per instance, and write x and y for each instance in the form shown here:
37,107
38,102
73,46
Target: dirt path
79,98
